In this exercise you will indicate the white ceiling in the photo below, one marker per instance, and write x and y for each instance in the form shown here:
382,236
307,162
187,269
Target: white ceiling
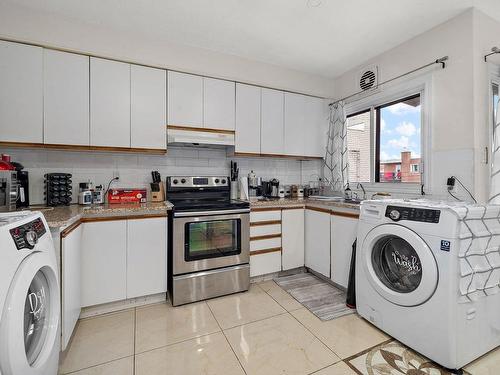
326,40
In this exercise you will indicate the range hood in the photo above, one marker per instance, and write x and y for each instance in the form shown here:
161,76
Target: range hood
200,136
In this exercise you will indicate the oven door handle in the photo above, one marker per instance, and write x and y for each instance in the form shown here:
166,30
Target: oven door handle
211,213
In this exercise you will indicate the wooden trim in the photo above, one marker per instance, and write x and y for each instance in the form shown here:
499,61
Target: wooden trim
50,146
319,209
260,209
294,207
344,214
265,237
70,228
268,222
257,155
121,217
265,251
206,130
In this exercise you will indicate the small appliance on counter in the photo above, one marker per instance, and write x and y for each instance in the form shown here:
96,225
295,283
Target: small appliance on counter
8,189
157,189
85,193
98,195
254,185
127,196
23,199
58,189
270,189
234,185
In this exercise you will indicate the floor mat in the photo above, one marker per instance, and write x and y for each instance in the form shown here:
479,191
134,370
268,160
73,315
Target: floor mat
319,297
394,358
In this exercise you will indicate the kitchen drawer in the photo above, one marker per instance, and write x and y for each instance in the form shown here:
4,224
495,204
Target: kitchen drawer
261,264
257,216
268,243
264,230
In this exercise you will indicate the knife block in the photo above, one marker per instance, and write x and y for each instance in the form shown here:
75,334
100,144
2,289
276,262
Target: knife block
157,192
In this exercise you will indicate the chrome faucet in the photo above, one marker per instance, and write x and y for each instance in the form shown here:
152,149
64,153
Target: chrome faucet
360,186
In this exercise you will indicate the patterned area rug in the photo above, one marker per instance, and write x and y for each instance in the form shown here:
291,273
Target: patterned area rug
319,297
394,358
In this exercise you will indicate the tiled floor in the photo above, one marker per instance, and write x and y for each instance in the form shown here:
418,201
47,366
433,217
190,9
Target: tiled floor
263,331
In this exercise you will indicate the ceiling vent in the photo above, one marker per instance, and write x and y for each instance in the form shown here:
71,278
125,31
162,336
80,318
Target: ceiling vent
368,78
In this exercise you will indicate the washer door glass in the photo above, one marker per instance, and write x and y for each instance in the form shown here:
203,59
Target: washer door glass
397,264
36,315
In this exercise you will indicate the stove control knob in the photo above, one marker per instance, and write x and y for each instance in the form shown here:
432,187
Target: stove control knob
217,180
183,181
223,181
175,181
31,238
395,215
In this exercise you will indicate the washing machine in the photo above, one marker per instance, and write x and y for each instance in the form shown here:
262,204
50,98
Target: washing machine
428,274
29,296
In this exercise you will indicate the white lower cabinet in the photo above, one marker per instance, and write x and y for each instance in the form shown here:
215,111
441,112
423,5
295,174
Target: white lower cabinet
104,262
343,234
317,241
261,264
292,238
146,256
70,283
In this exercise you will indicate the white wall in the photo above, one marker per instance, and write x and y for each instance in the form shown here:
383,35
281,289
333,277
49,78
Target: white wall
26,25
486,35
135,170
452,120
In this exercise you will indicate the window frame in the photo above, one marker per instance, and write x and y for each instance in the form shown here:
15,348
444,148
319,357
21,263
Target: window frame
494,79
391,94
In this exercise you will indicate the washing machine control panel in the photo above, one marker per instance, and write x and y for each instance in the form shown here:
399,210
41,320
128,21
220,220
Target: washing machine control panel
26,236
425,215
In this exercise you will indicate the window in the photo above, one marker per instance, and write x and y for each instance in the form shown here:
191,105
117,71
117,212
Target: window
358,145
384,142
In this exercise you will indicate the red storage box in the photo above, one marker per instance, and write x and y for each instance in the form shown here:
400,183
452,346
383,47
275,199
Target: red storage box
126,196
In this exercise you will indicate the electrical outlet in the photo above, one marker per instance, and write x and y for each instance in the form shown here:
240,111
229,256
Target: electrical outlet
450,182
116,174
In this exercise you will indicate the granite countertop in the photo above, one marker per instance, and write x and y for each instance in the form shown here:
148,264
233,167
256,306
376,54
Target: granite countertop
307,202
58,217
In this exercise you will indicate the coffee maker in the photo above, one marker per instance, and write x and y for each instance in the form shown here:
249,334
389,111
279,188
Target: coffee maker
23,199
270,188
254,185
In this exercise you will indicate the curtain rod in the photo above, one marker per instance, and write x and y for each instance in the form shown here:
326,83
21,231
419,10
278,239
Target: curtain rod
494,50
441,61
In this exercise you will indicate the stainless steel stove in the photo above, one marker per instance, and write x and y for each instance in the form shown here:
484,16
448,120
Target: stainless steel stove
209,241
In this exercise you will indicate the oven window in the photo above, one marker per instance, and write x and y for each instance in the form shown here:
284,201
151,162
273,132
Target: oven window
212,239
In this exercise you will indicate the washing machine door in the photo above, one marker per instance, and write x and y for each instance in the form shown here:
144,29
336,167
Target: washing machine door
30,319
399,265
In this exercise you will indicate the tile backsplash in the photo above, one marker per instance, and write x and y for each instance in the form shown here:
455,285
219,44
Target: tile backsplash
134,170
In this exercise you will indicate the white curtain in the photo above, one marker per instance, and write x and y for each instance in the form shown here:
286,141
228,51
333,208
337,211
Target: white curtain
336,160
495,155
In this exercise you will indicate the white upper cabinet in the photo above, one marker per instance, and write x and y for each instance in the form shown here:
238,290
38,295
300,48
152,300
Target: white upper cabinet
271,135
109,103
66,98
315,127
248,105
148,112
21,93
218,104
185,100
295,115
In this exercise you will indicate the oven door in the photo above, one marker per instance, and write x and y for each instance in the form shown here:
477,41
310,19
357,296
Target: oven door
203,242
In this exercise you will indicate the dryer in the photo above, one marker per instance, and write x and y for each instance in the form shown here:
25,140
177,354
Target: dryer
29,296
416,278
